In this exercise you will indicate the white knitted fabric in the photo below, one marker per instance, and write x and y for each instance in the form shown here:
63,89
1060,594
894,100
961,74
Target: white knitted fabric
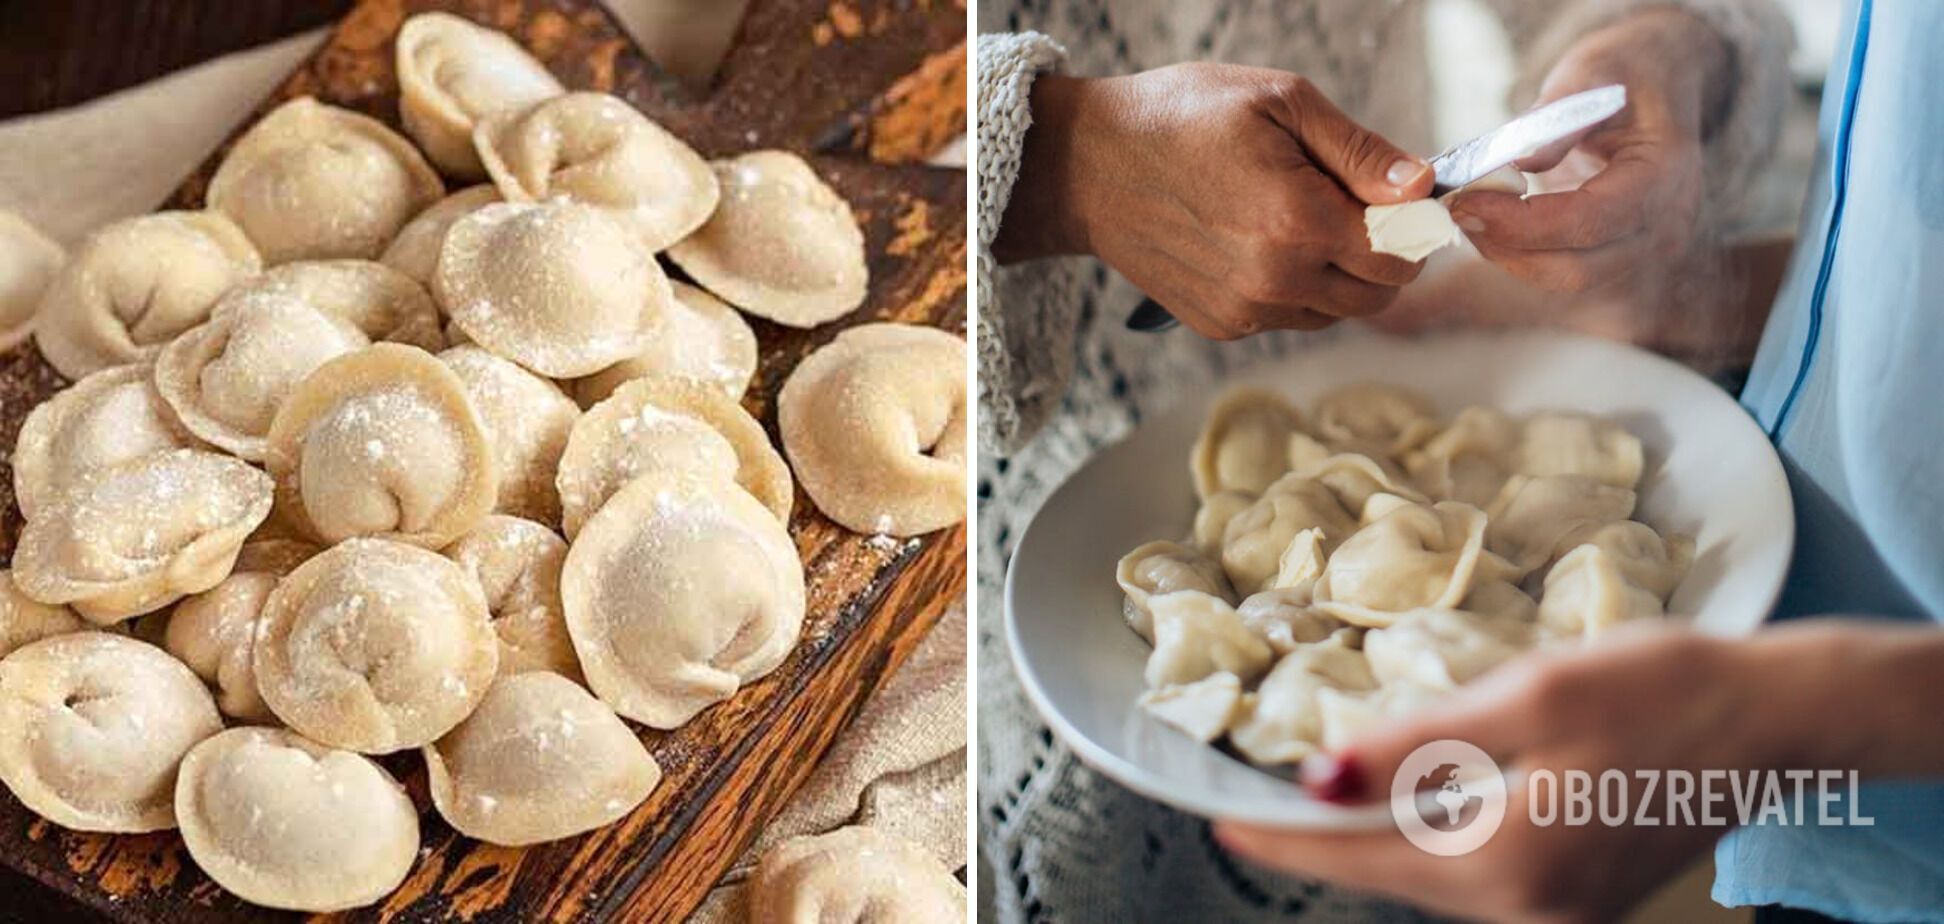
1060,377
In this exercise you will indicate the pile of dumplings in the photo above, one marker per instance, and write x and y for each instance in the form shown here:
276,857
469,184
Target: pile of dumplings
352,467
1351,566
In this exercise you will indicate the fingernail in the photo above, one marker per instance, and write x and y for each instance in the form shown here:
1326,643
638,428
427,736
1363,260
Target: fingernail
1470,222
1332,779
1405,171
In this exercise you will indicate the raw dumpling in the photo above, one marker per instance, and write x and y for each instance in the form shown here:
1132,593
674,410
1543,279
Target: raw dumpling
451,74
597,150
1213,516
137,537
415,251
1440,649
111,417
1534,516
557,287
781,245
1282,724
1198,634
92,726
1244,444
1255,540
1558,443
24,620
312,181
527,420
1374,418
1284,618
702,338
135,284
1467,461
212,632
226,377
874,423
1163,568
1202,710
375,646
854,875
677,592
667,425
1414,557
28,262
1354,478
382,441
285,822
539,760
517,564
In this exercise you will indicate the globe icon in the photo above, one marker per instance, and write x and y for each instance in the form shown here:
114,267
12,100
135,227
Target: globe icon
1459,809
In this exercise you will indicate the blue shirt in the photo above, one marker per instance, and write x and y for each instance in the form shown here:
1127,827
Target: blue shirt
1849,382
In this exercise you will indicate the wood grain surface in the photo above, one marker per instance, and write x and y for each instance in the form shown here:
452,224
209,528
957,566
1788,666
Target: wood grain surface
862,87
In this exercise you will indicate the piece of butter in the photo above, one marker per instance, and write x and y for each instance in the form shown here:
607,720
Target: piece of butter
1412,230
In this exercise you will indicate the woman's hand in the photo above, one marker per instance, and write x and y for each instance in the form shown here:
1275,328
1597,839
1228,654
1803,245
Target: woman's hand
1233,196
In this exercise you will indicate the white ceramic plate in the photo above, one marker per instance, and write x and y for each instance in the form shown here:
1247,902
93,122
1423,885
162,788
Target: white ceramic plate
1711,474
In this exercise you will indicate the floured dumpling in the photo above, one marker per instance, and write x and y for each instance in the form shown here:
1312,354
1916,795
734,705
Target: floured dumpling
702,338
226,377
597,150
1282,723
112,416
539,760
451,74
312,182
28,262
527,420
1255,540
92,726
382,442
1440,649
24,620
415,251
285,822
213,632
854,875
375,646
1197,634
781,244
667,425
874,423
1243,445
133,285
557,287
1560,443
1374,418
677,592
1414,557
139,536
1162,568
517,564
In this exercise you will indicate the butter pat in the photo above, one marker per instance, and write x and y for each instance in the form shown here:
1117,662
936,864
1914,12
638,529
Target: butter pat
1412,230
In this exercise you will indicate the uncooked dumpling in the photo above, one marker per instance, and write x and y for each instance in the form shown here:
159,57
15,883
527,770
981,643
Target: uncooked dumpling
1374,418
678,591
1559,443
1255,540
597,150
666,425
781,245
112,416
312,182
92,726
557,287
451,74
212,632
1163,567
285,822
702,338
135,284
1414,557
874,423
527,420
854,875
24,620
517,564
28,262
139,536
375,646
1198,634
1243,446
382,442
415,251
539,760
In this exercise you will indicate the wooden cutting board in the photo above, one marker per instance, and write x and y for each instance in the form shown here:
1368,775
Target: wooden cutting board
863,87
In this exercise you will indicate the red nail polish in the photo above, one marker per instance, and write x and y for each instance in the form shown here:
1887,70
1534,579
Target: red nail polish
1337,779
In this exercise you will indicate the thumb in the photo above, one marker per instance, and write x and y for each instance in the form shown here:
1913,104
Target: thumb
1362,161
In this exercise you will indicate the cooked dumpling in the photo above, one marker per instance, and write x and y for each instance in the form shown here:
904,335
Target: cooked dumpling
1500,599
1213,516
1534,516
312,182
375,646
285,822
557,287
781,244
1163,568
1587,593
24,620
1347,715
451,74
701,338
1284,618
1354,478
1374,417
597,150
539,760
527,420
1282,723
874,423
666,425
1645,558
1197,634
1254,542
1414,557
854,875
415,251
1244,444
517,564
92,726
382,442
211,632
112,416
1467,461
677,592
1558,443
1202,710
1301,563
135,284
139,536
1440,649
28,262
